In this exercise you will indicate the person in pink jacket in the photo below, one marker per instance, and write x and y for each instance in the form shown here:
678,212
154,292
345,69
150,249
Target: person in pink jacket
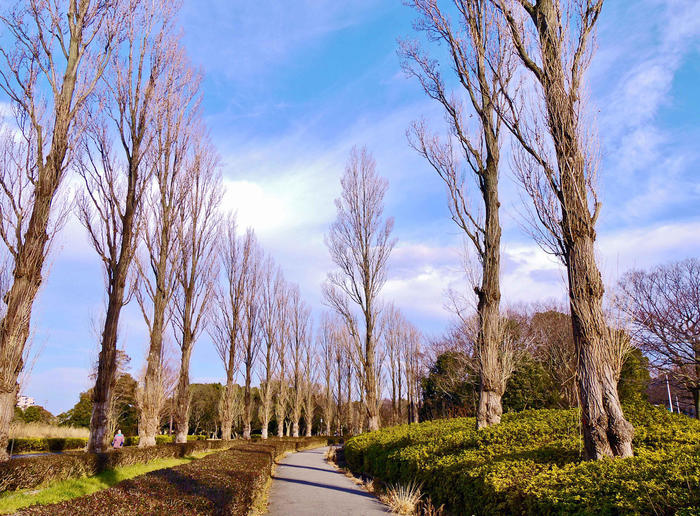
118,441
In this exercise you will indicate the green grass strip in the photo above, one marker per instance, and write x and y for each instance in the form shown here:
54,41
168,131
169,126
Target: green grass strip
75,487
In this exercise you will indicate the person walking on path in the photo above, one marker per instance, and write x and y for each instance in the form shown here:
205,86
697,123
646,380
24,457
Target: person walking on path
118,441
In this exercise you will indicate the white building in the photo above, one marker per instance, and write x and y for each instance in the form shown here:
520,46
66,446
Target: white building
25,402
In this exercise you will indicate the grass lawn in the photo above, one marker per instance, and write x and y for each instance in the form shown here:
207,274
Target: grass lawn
72,488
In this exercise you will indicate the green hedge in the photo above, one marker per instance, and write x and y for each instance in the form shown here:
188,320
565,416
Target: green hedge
229,482
46,444
54,444
532,464
162,439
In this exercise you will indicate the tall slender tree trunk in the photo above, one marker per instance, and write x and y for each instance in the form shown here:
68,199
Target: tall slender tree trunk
14,331
227,412
370,378
394,412
182,396
492,382
29,262
117,272
606,431
247,404
281,405
152,397
399,411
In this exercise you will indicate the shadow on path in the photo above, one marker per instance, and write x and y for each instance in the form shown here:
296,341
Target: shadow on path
325,470
326,486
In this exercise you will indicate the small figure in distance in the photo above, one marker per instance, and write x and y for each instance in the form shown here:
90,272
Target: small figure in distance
118,441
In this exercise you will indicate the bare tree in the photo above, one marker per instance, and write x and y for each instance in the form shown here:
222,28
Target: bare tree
112,204
250,328
340,368
300,323
54,57
327,343
197,231
550,331
392,338
663,306
411,350
556,166
226,325
282,394
177,111
360,243
271,313
309,386
480,56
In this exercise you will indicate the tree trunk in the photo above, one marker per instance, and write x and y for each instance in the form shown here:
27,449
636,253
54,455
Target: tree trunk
106,375
14,327
227,409
393,396
280,428
370,379
281,404
182,408
295,428
308,428
28,265
606,431
492,382
696,402
399,411
247,408
152,397
7,412
264,430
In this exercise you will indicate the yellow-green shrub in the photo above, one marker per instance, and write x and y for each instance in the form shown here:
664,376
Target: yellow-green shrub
532,464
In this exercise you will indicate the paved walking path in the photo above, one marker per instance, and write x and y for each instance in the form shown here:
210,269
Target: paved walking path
304,483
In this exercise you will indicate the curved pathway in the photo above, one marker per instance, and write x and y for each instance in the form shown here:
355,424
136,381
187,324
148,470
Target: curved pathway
304,483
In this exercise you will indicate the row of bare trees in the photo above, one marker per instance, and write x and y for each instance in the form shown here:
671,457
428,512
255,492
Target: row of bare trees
261,327
105,89
520,64
54,59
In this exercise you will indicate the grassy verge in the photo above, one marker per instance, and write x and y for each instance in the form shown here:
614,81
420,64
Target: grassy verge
75,487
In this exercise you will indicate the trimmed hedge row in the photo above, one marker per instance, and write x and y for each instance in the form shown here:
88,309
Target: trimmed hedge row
228,482
46,444
21,473
55,444
531,464
162,439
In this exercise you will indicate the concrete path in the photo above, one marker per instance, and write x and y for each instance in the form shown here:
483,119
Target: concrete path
304,483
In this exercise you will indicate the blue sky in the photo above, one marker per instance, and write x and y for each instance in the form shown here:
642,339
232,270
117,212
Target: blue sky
288,92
